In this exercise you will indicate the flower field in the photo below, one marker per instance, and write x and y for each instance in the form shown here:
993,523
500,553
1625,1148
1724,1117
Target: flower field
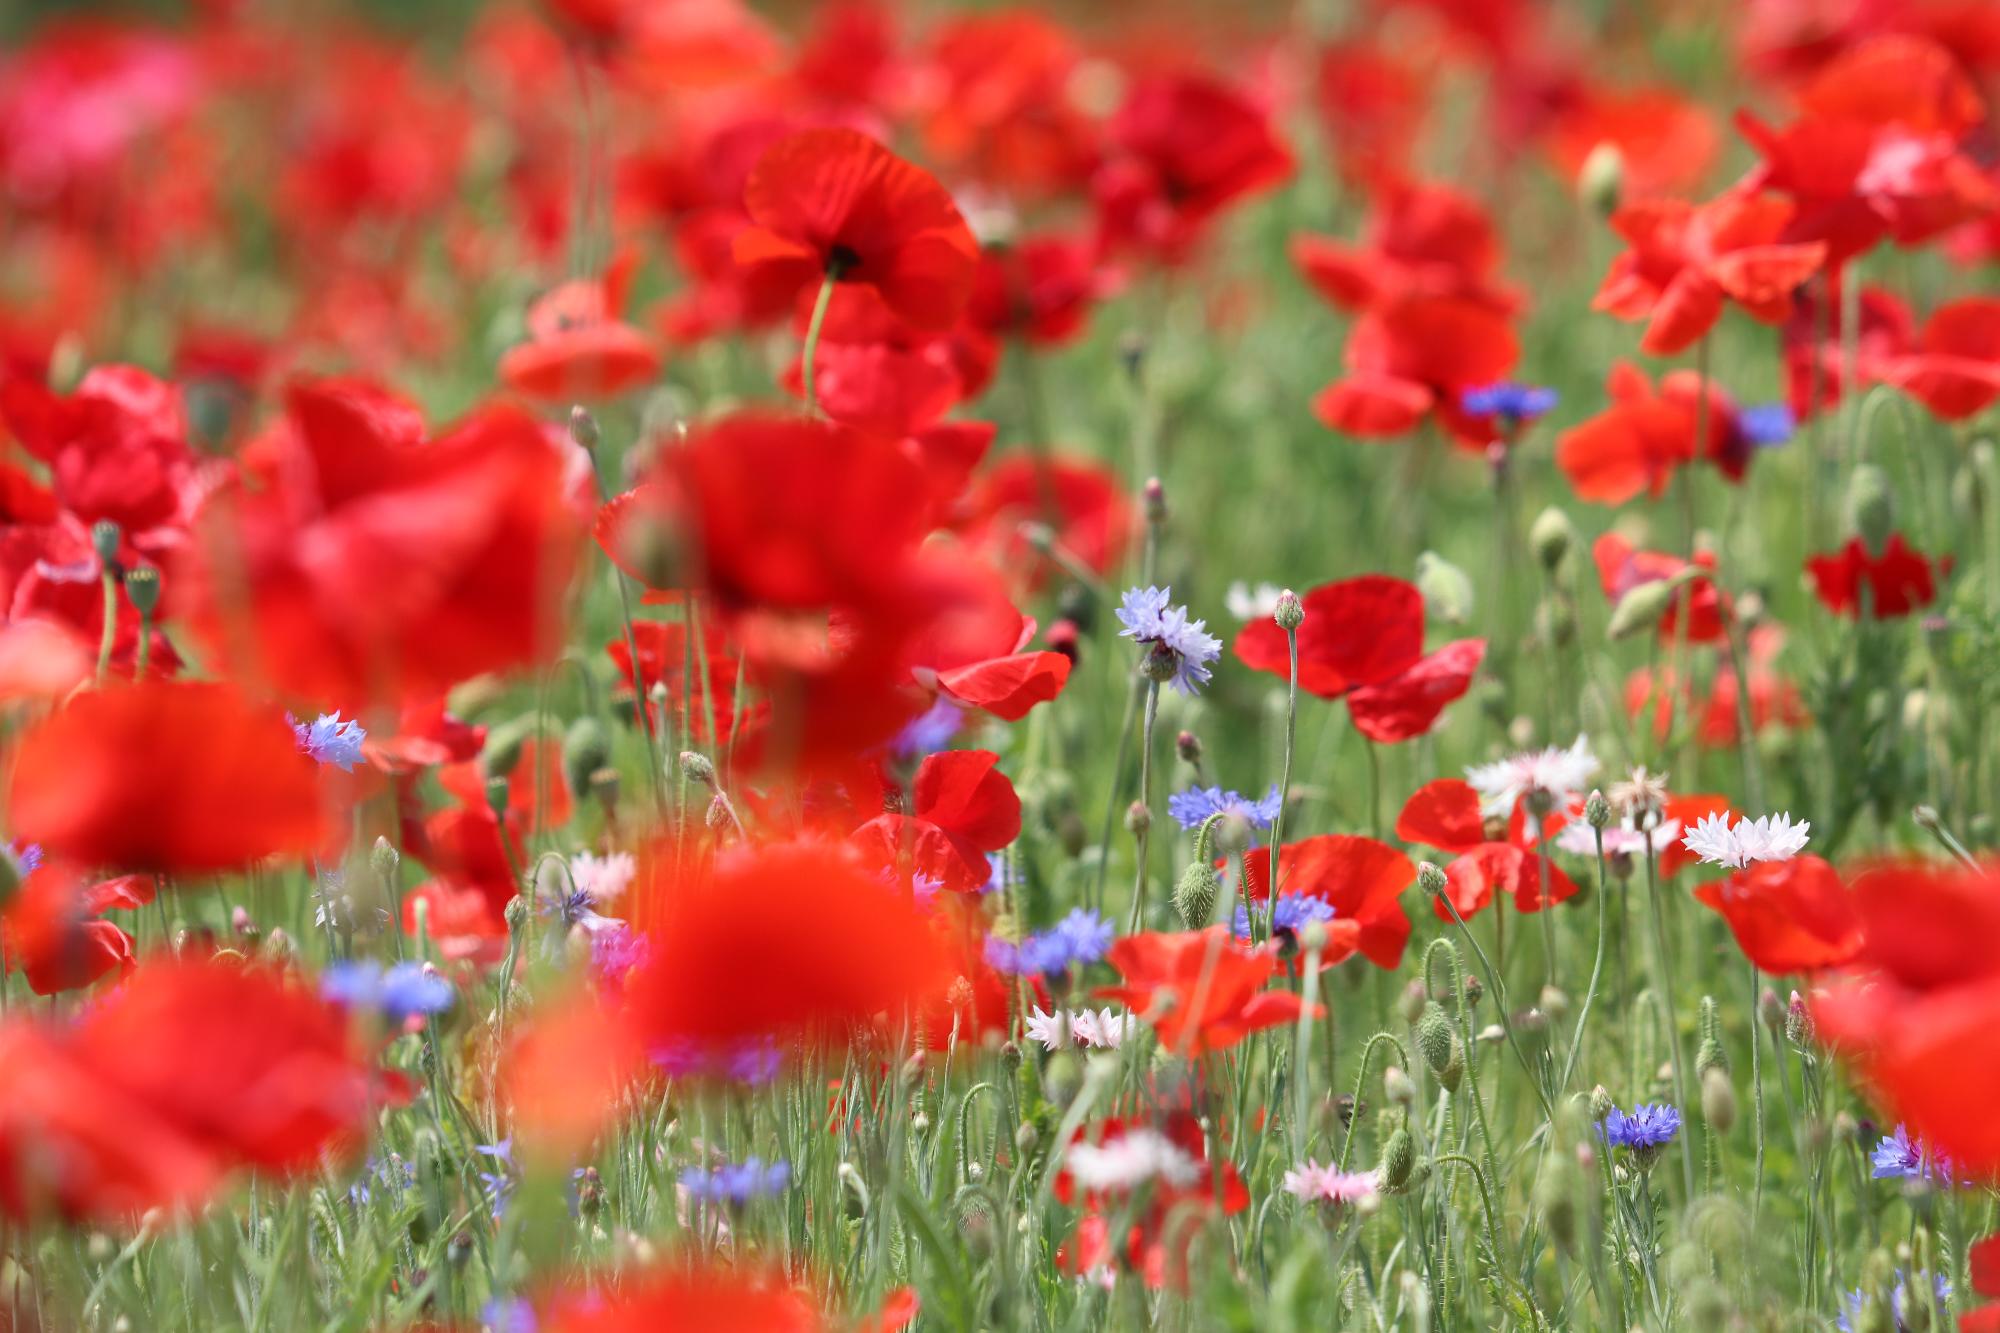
877,665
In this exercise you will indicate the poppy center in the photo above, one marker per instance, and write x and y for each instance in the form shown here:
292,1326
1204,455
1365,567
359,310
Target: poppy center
840,261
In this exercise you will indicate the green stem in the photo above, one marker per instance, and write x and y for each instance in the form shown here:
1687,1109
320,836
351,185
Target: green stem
109,636
1143,836
808,357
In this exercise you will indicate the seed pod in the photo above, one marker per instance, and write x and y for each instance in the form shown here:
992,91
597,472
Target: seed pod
1552,536
1399,1159
1440,1047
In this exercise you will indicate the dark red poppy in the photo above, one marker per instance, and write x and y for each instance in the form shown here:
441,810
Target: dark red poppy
1363,638
1919,1019
1039,289
1636,445
366,567
1892,582
834,946
1412,357
1217,988
710,698
1362,878
578,349
835,202
1684,260
1954,367
1184,148
182,779
1788,916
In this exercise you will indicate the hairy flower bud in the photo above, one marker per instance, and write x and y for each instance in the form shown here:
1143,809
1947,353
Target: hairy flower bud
1138,818
1447,589
1439,1045
1195,894
1640,608
1430,879
385,858
1600,184
1398,1088
583,429
1291,612
1601,1104
1399,1159
698,768
1558,1188
1718,1099
1551,537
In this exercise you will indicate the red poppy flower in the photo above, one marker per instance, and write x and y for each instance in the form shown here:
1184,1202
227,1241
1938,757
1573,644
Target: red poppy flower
1816,349
49,932
1217,987
367,567
1159,1235
578,350
996,104
116,448
1092,518
1788,916
1412,357
1185,147
41,659
675,1297
834,946
1875,151
1039,289
1920,1017
1363,638
1685,259
662,661
876,371
1422,239
1363,879
1620,569
1774,700
1372,100
834,202
182,779
965,807
1635,445
1473,879
1894,582
1008,687
1666,142
975,649
1954,367
565,1075
1444,814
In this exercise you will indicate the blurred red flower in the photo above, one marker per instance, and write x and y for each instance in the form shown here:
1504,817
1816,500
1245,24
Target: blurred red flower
578,349
1788,916
1893,581
1953,368
1413,356
1620,568
1201,991
1362,878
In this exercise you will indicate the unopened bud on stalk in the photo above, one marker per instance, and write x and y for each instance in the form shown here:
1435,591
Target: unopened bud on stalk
1291,612
1557,1189
1399,1159
583,429
1188,746
1195,894
1641,608
1601,1104
1869,507
1155,495
1771,1010
1798,1021
1415,998
1430,879
1718,1099
585,750
1554,1003
1439,1045
1398,1088
517,914
1446,588
496,795
1132,353
1597,810
1551,537
385,858
698,768
1601,182
716,817
1137,818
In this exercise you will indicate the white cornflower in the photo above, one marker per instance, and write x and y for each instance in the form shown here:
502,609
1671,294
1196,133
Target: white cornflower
1621,839
1051,1030
1558,774
1771,838
1103,1029
604,878
1246,603
1130,1160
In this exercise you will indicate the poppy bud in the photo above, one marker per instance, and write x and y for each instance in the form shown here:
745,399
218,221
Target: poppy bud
1555,621
1798,1021
1597,810
1398,1088
1062,1078
1557,1188
1233,833
1601,182
585,750
604,786
1718,1099
583,429
1446,589
385,858
698,768
1640,608
1869,507
1475,991
1430,879
1290,612
516,914
1313,937
1195,894
1027,1137
1439,1046
1399,1159
104,539
1413,1001
1551,538
1770,1010
142,588
1188,746
1010,1056
1138,818
1710,1055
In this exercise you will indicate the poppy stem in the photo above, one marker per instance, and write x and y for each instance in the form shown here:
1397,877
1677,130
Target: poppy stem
109,637
1143,830
1757,1095
1664,970
811,351
1285,772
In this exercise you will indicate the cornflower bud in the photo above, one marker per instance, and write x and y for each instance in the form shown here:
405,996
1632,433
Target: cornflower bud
1291,612
1551,537
1188,746
1597,810
698,768
1430,879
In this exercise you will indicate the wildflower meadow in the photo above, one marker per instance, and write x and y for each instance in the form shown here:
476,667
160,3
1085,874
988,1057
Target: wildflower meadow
1077,664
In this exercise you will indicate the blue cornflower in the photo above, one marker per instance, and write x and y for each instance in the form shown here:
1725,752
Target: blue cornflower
929,731
1898,1156
509,1315
1295,911
1083,936
1765,423
397,993
1854,1303
1646,1131
394,1174
737,1183
1514,403
1195,806
1000,877
501,1181
27,857
1181,649
755,1062
572,907
330,740
1079,938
